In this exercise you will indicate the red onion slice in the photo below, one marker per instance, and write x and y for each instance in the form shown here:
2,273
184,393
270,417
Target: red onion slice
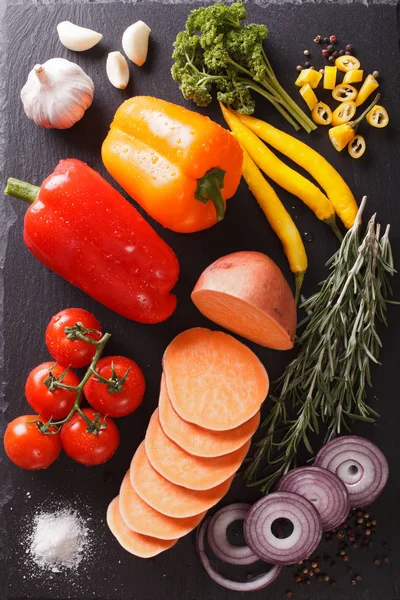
359,464
218,540
300,544
323,489
257,583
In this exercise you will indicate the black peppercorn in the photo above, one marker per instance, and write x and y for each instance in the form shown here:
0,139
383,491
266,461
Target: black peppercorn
331,59
335,54
349,48
307,64
329,48
326,40
348,53
341,52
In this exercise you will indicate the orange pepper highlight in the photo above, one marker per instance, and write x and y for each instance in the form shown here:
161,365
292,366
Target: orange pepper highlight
178,165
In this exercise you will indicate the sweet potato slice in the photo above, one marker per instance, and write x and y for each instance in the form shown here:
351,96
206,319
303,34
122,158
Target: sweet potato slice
181,468
213,380
247,293
166,497
141,518
135,543
195,439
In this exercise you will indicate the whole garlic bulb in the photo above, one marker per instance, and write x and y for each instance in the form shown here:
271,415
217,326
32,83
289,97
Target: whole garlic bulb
57,93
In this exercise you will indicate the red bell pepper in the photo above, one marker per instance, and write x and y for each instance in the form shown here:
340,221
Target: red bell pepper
79,226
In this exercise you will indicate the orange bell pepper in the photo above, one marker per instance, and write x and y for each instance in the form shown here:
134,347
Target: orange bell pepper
177,164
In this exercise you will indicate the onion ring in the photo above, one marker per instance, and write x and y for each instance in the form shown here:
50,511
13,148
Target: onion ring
257,583
323,489
361,466
218,540
299,545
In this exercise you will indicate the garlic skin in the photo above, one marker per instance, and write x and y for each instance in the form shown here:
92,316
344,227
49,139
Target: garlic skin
135,42
57,93
117,70
77,38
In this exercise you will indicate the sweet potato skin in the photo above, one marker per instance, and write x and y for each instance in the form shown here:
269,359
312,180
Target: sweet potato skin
246,293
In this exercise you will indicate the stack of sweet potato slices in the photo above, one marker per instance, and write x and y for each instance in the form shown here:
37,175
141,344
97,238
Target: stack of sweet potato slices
211,392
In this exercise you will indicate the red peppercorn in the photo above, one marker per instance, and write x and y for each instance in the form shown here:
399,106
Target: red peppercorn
317,39
325,52
332,39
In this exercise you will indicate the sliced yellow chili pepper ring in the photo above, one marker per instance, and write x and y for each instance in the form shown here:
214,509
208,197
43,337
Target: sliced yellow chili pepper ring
347,63
378,117
343,113
344,92
308,95
357,146
353,76
321,114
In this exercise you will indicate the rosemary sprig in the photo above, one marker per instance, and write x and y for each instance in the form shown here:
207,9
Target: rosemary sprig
325,386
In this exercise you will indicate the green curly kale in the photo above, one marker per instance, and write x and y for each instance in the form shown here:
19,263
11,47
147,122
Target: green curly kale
217,52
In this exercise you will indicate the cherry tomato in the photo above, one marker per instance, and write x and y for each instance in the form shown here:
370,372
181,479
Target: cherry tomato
74,353
89,448
57,403
117,403
27,447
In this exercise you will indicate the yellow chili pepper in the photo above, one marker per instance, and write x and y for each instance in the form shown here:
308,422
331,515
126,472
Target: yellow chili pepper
328,178
278,171
308,95
343,113
347,63
279,219
341,135
310,76
330,74
321,114
344,92
378,117
354,76
370,85
357,146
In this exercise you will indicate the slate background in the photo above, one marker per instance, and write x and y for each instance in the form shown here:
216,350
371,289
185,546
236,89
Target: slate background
32,294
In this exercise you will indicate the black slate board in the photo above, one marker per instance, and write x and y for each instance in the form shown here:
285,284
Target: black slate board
32,294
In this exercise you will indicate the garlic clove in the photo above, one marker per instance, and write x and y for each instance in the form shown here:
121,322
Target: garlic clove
77,38
135,42
57,94
117,70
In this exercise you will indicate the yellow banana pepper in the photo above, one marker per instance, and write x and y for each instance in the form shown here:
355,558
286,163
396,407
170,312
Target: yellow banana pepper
370,85
378,117
308,95
343,113
278,171
357,146
330,74
341,135
344,92
319,168
354,76
321,114
279,219
310,76
347,63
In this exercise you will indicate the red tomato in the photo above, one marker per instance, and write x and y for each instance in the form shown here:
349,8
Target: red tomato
27,447
85,447
56,404
118,403
74,353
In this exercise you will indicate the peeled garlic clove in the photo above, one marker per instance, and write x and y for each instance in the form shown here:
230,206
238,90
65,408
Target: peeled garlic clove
117,70
57,93
135,42
77,38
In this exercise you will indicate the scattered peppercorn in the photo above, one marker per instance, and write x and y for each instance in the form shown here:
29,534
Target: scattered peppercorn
386,560
298,579
342,552
289,594
326,578
349,48
317,39
307,581
368,532
358,577
360,520
341,52
322,71
306,53
332,39
299,68
377,562
335,54
353,582
340,534
374,522
368,524
314,565
331,58
348,53
325,52
317,570
307,64
346,558
326,40
354,545
305,571
351,538
330,48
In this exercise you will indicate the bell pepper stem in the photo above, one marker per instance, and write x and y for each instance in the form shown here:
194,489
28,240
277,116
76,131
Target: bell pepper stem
209,188
22,190
355,124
